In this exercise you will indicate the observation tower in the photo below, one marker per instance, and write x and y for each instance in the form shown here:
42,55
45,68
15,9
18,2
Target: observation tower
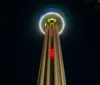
51,72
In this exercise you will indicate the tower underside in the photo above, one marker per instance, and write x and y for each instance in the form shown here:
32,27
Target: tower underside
51,70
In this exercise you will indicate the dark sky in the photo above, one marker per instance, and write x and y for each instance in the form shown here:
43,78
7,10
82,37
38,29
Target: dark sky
21,42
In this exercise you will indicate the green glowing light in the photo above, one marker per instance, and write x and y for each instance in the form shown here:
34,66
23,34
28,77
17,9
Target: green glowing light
51,20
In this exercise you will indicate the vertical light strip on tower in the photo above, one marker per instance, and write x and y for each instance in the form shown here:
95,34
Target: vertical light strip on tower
63,79
55,61
43,60
48,59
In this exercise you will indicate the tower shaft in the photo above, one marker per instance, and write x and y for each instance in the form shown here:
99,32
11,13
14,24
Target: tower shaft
51,70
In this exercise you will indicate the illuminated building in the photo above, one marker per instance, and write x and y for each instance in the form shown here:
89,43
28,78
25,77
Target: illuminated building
51,70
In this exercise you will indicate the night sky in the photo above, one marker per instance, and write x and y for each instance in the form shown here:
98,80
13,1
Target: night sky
21,41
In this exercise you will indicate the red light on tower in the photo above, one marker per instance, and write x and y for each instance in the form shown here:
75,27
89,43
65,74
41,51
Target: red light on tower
52,35
51,53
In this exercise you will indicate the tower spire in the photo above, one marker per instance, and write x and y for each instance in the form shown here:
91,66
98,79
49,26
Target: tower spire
51,70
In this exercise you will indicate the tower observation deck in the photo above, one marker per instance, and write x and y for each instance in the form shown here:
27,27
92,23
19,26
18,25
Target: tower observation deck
51,70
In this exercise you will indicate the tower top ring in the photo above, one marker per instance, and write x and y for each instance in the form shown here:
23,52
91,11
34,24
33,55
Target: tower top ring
51,13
